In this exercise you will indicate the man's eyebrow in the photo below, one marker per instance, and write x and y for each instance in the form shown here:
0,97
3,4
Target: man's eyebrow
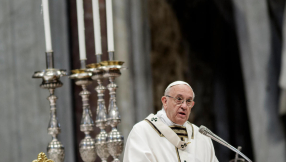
180,95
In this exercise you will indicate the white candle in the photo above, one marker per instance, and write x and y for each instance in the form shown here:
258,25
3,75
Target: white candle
109,26
81,36
96,25
45,6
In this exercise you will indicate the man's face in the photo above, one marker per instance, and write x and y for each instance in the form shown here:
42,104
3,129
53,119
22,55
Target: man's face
178,114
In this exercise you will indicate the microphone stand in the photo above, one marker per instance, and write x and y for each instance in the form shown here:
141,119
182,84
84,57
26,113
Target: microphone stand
237,159
205,131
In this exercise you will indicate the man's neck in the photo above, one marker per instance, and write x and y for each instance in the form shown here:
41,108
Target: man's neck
163,116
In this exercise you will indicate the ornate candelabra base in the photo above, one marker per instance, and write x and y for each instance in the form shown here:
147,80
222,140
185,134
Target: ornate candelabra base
101,145
101,119
115,141
51,81
56,151
87,145
87,149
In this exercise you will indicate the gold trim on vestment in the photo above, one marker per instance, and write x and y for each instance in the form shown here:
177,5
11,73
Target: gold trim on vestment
192,129
180,131
178,155
153,126
161,135
177,126
183,137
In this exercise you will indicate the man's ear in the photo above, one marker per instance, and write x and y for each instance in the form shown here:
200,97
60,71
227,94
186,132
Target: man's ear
164,101
193,104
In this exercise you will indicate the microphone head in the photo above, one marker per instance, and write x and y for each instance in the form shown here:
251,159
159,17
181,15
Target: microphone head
203,130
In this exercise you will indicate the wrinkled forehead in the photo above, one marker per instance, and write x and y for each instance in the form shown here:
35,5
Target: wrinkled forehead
177,83
181,90
167,90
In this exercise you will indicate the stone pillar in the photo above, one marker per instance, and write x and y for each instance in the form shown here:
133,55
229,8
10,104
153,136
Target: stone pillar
134,95
25,109
260,79
282,79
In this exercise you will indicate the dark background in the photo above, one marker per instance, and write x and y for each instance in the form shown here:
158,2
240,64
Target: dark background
198,42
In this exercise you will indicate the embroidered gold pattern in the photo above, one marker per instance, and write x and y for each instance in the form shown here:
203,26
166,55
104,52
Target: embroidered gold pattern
192,129
180,131
179,159
151,124
42,158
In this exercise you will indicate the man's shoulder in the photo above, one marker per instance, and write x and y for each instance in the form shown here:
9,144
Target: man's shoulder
141,124
141,128
145,126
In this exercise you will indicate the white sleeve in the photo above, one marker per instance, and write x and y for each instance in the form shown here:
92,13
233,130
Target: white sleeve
137,148
212,157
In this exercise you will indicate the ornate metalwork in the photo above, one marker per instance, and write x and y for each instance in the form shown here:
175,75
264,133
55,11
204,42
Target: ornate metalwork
51,80
87,145
42,158
115,142
115,139
101,114
101,145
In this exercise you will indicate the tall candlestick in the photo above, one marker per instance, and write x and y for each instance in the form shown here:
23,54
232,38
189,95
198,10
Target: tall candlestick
110,37
87,145
80,22
96,25
45,5
51,81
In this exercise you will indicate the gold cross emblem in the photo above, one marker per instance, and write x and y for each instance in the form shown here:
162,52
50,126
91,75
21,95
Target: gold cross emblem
42,158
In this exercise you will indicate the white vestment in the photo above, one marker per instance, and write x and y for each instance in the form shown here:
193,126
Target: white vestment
146,144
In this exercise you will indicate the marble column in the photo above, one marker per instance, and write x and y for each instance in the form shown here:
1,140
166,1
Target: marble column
25,109
134,95
260,79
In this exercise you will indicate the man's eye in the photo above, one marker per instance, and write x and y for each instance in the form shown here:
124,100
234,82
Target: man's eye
189,101
179,99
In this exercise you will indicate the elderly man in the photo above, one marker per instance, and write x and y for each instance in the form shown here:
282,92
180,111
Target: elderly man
168,136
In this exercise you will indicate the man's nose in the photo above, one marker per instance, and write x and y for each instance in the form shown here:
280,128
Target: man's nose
184,104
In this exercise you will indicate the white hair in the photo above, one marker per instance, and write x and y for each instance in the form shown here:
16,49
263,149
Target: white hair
167,90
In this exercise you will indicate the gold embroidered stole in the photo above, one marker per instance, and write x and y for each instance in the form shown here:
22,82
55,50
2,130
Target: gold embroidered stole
180,131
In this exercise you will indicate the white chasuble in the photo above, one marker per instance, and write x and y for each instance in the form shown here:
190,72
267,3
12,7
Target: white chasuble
152,142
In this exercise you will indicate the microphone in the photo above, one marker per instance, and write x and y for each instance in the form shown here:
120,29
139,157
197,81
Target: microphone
205,131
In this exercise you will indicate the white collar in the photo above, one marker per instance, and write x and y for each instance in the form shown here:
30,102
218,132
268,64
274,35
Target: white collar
163,116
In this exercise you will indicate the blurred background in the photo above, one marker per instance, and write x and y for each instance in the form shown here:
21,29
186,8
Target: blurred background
231,53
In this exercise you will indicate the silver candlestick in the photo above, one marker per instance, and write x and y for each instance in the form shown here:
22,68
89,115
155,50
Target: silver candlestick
87,145
115,139
51,81
101,119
